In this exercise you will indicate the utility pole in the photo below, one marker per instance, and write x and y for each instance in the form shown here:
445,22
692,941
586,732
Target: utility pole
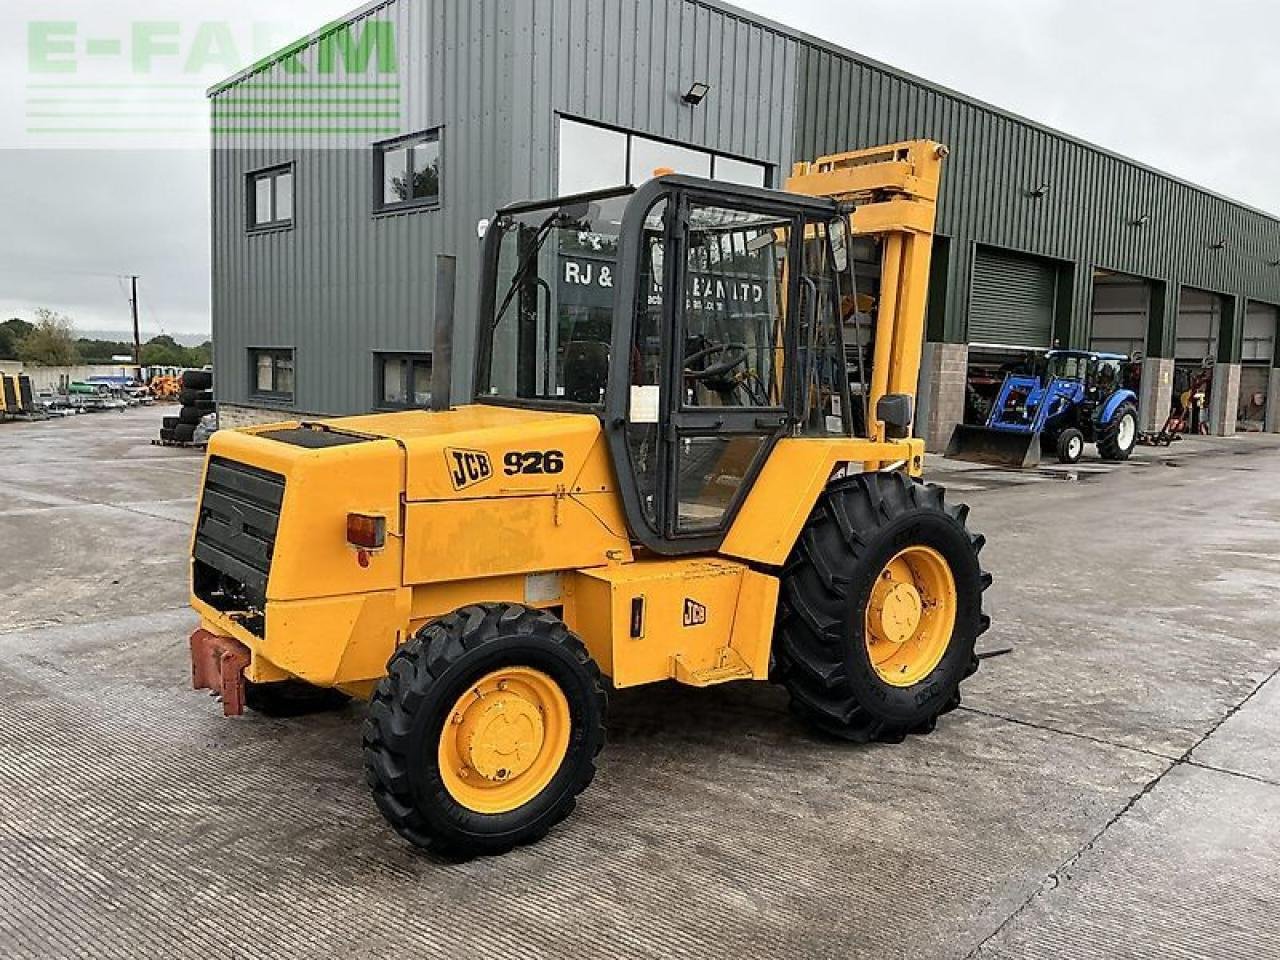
137,336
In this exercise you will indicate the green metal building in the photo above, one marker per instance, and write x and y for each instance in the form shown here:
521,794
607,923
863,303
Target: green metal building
322,270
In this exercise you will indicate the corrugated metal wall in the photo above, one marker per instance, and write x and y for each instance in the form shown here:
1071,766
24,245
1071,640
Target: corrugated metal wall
495,74
344,282
997,160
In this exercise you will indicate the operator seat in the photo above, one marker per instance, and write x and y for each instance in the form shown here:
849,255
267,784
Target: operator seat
586,370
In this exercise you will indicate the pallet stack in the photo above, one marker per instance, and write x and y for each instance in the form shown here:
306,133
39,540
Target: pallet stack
196,399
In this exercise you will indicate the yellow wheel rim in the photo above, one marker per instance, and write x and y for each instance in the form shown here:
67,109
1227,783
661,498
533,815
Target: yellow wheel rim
911,615
504,740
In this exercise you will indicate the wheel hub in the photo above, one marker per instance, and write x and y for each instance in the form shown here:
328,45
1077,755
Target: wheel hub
504,739
910,616
500,736
898,610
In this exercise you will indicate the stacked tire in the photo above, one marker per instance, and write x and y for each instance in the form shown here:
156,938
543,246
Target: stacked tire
196,401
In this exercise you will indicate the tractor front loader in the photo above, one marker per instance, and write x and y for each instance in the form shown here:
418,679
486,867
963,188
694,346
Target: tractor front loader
665,473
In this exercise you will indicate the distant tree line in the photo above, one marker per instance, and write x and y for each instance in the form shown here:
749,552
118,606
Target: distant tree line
51,342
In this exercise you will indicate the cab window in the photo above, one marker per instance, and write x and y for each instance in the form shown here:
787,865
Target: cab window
549,336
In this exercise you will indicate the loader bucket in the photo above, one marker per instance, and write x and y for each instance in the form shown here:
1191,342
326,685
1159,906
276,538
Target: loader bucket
1001,448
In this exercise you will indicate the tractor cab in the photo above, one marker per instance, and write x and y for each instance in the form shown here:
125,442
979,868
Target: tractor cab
697,320
1100,374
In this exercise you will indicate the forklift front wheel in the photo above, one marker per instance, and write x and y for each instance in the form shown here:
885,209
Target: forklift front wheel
485,730
880,608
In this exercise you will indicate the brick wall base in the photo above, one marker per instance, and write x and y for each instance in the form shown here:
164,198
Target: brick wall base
231,416
1155,396
1273,402
944,369
1224,400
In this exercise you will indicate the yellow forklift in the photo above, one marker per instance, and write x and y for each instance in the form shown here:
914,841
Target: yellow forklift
688,476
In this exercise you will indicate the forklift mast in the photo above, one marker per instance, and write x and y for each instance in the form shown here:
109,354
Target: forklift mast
890,193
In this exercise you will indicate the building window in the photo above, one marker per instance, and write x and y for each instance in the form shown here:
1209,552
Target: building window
271,374
407,171
404,380
591,158
594,158
649,155
271,198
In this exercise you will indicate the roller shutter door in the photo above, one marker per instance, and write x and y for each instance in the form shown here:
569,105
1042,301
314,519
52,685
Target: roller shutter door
1012,300
1260,324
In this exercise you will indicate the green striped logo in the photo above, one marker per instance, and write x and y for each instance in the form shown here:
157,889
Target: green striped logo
88,83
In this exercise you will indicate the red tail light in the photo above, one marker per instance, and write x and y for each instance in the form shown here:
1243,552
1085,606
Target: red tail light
367,531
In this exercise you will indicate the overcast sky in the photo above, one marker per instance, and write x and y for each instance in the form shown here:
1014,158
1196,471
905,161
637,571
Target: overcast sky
1188,86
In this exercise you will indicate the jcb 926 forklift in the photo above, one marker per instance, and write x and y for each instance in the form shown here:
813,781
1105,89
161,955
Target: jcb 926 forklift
670,480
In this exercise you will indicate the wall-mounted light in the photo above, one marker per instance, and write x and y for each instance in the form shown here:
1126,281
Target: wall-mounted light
1218,245
696,92
482,227
1141,221
1040,192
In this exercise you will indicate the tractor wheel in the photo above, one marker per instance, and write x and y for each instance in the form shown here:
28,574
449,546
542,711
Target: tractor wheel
1070,445
881,605
291,698
196,398
1117,438
484,731
196,379
191,415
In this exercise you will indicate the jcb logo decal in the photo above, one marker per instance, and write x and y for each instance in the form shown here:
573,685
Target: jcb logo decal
695,614
468,467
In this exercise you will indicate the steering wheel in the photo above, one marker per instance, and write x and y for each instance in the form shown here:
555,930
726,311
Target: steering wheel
737,356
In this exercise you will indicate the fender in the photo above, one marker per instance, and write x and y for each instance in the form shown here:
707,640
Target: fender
1113,404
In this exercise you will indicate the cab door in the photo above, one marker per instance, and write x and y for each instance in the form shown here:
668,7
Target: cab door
734,293
710,301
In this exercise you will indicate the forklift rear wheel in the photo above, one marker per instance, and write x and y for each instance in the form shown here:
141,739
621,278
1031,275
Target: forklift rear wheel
881,607
1117,438
485,730
1070,445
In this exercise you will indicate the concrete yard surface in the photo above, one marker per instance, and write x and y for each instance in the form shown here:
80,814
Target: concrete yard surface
1111,788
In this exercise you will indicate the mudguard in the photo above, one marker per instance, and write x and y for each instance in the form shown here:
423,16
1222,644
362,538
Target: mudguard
1113,404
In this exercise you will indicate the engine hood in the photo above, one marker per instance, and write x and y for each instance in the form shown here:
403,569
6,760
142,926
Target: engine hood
480,450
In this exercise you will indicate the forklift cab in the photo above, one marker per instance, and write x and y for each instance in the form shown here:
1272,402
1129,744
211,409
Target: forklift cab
700,321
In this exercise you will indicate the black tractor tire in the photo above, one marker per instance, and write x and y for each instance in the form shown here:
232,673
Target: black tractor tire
168,423
1109,446
1069,445
191,415
820,655
184,432
196,398
197,379
291,698
412,704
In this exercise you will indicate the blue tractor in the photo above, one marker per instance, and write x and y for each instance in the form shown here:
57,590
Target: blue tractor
1073,397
